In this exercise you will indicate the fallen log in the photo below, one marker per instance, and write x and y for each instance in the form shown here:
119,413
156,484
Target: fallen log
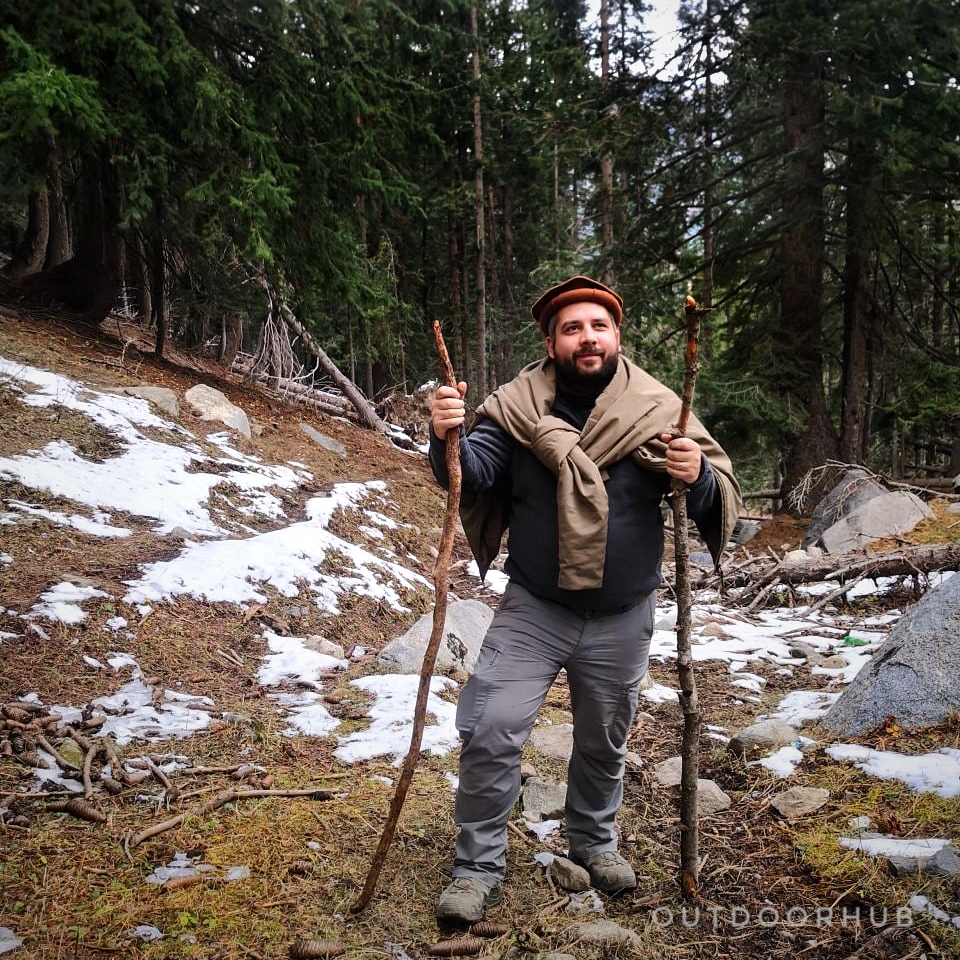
905,561
295,392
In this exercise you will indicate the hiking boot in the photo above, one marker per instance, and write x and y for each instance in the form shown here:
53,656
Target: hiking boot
465,900
608,871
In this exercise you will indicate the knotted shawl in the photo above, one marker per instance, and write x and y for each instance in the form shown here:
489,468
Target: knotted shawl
627,420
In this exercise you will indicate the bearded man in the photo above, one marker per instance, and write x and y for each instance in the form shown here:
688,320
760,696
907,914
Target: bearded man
574,458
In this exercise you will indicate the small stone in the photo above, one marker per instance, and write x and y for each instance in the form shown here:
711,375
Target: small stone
543,799
944,863
667,772
799,801
835,662
761,737
710,798
554,741
568,876
605,933
322,440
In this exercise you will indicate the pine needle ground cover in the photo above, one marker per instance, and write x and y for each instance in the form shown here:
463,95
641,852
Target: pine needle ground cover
275,871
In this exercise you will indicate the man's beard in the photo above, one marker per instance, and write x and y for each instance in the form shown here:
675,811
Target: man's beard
592,383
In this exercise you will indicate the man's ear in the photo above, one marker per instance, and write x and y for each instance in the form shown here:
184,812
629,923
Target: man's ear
549,342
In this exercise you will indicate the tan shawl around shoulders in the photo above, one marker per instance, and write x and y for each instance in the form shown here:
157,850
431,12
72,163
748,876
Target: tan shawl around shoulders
627,420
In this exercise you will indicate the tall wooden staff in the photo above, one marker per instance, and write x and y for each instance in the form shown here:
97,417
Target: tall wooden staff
440,577
690,744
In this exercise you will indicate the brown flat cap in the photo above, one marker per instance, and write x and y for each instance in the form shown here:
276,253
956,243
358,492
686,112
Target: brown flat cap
575,290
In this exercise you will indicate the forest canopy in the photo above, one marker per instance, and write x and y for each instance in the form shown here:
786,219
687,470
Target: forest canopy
367,166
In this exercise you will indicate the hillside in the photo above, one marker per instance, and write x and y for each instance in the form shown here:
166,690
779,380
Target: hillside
75,885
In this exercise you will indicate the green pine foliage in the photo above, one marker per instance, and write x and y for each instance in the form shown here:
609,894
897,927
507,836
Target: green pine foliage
326,149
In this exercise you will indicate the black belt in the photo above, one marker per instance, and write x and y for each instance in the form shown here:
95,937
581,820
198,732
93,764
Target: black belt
595,613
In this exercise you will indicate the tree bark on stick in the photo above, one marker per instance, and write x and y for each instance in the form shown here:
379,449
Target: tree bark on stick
440,577
690,742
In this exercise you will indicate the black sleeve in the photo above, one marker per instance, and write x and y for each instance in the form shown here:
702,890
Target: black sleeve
703,496
485,456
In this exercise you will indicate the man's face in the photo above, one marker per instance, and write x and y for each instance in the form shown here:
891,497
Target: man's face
585,343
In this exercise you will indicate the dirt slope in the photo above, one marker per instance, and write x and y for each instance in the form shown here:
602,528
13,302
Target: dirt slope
71,889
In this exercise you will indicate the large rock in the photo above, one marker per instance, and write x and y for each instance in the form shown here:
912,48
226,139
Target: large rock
858,510
913,676
854,488
161,397
464,627
887,515
211,404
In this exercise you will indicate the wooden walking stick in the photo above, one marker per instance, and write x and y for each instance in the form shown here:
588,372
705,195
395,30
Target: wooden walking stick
690,743
440,576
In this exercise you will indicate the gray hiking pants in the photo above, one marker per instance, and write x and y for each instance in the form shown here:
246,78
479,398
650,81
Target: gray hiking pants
529,641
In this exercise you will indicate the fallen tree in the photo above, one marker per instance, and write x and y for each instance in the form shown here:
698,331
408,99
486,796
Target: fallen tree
762,575
276,363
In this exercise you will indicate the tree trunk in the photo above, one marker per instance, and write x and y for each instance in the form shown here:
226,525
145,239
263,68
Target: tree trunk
231,338
844,568
457,340
141,272
58,243
158,315
89,282
709,239
32,250
495,261
802,247
478,198
511,312
606,159
856,302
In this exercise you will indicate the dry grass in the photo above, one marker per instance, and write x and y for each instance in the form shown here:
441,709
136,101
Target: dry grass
71,890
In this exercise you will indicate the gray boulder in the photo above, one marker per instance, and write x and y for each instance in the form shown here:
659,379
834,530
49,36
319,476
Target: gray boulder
464,627
888,514
858,510
855,486
161,397
914,675
211,404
